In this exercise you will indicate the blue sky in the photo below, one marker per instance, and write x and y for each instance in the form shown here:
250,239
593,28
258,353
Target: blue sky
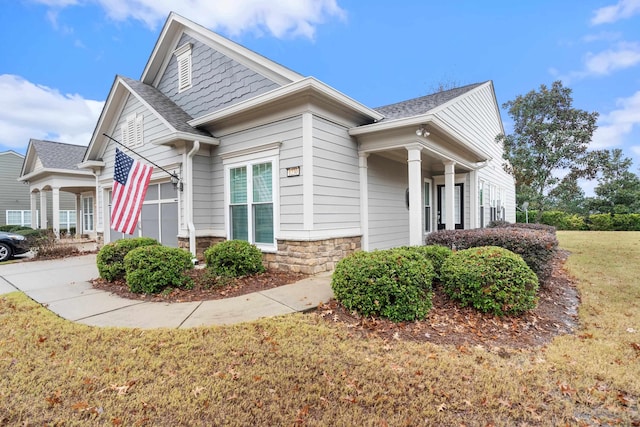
59,57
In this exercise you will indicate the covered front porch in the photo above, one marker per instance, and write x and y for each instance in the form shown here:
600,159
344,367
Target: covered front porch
436,174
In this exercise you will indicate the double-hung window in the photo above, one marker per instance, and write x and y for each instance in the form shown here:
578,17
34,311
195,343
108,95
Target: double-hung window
251,203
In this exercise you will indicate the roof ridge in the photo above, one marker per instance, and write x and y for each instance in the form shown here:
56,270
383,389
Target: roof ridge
432,94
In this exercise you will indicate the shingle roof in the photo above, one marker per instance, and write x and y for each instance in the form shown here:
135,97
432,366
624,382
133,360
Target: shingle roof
58,155
423,104
164,106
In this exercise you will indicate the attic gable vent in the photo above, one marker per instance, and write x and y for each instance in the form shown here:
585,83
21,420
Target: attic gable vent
133,131
183,57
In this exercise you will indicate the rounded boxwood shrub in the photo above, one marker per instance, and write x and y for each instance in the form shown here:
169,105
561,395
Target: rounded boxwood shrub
152,268
435,253
394,283
490,279
234,258
110,258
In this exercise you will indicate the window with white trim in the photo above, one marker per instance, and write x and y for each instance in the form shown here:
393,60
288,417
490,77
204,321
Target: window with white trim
183,57
251,213
132,131
19,217
67,220
87,213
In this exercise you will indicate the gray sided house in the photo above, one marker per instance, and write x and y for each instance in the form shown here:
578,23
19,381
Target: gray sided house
289,163
14,195
61,196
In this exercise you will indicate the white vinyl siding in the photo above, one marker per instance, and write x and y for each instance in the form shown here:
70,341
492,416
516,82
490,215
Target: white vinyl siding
388,214
476,117
336,181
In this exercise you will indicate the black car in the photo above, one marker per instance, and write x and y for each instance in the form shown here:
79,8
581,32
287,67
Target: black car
12,244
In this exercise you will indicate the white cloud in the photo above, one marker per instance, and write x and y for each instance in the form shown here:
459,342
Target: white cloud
608,36
615,125
622,55
280,18
622,10
29,110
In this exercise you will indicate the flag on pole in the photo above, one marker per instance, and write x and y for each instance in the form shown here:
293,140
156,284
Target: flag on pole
130,182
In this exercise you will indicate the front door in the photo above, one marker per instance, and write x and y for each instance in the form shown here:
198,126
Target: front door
458,204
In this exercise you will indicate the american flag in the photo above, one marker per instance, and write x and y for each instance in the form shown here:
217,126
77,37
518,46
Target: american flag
130,182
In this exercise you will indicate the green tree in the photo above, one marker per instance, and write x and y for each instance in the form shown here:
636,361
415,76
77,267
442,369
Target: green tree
618,189
550,140
568,197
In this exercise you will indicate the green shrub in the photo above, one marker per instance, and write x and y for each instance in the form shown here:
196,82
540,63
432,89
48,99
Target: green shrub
234,258
434,253
626,222
152,268
490,279
13,228
394,283
536,247
600,222
110,258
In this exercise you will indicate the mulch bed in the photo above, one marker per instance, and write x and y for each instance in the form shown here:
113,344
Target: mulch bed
206,287
447,323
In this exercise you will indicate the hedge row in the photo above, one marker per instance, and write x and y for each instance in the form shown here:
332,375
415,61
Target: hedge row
536,247
596,222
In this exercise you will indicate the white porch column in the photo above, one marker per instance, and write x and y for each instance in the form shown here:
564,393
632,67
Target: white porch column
43,209
415,194
56,211
449,191
34,208
474,211
364,200
79,218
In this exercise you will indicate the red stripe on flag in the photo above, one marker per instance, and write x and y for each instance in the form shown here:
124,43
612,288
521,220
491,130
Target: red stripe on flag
127,199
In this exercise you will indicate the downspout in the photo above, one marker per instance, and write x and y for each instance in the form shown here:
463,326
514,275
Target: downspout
189,172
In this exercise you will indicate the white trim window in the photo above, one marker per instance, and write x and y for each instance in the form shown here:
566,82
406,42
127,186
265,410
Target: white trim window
87,213
251,203
428,203
132,131
183,58
18,217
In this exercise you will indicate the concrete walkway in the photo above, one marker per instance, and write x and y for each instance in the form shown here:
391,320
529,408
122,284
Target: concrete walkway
63,287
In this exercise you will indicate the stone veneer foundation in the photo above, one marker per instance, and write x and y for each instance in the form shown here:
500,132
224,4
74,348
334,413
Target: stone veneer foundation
311,257
298,256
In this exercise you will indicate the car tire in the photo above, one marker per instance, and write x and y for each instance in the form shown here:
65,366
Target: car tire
5,252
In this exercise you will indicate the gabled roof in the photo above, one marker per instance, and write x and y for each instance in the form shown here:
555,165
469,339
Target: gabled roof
11,152
165,107
45,157
423,104
176,25
57,155
167,111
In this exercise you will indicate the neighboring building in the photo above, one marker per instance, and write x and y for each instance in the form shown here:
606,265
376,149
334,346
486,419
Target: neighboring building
60,193
289,163
14,195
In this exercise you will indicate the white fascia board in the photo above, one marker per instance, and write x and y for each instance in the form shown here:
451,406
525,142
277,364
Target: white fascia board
308,84
52,171
424,119
177,24
172,137
92,164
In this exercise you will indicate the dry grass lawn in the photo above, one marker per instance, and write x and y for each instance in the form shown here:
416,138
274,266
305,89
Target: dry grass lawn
301,370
